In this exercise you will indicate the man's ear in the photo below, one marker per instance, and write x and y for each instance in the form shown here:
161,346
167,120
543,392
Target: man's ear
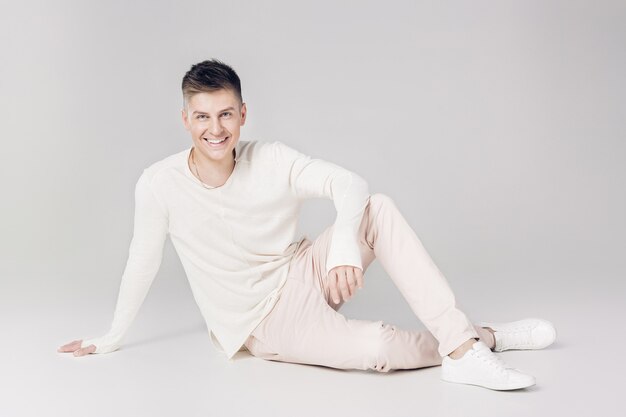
183,114
244,112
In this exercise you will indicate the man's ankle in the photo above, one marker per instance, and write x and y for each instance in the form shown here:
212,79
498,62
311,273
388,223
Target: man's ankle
461,350
493,334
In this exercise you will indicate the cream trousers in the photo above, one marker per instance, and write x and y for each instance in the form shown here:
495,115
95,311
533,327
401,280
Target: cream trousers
305,327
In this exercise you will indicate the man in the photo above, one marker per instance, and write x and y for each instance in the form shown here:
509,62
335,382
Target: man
231,208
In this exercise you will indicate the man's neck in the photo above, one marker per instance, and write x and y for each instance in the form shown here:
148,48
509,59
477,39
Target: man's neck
209,171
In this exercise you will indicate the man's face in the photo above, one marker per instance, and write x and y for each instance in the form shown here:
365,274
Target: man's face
214,116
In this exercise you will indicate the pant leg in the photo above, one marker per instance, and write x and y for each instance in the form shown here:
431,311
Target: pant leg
306,328
303,328
385,234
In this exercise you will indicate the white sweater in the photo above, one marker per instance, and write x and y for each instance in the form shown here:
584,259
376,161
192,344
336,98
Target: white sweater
234,241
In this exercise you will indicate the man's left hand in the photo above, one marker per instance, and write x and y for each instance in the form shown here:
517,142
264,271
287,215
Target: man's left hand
344,280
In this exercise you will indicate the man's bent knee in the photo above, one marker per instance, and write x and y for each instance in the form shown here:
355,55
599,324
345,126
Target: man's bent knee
381,200
386,333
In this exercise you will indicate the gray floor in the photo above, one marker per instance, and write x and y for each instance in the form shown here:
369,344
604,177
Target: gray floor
168,366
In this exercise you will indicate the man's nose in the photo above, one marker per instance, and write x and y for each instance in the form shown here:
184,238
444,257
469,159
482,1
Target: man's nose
216,128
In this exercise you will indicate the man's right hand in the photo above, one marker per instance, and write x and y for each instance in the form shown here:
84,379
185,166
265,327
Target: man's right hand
74,346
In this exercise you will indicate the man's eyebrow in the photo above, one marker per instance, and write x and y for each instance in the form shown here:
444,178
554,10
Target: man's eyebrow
223,110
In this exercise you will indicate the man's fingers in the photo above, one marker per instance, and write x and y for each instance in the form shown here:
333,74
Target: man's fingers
343,284
70,347
85,351
74,346
351,281
332,285
359,277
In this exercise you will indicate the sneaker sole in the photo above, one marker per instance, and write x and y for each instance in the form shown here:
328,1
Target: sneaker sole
508,387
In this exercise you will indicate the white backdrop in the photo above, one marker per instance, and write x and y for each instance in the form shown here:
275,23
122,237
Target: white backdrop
497,127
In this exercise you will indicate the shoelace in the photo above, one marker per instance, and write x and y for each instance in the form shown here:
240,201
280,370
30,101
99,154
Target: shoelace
521,337
492,360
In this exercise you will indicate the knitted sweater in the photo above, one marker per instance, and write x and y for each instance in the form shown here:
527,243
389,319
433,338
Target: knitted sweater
235,241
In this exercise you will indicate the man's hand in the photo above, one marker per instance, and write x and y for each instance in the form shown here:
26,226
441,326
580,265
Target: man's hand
344,279
75,347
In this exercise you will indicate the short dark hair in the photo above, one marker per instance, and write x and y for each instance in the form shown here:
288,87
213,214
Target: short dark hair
208,76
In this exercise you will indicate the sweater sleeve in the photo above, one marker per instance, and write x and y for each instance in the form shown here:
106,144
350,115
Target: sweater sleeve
310,178
144,260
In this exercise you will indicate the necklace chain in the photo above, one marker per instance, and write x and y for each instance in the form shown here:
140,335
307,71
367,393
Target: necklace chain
193,161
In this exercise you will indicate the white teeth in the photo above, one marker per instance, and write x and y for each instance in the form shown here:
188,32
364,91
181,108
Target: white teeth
216,141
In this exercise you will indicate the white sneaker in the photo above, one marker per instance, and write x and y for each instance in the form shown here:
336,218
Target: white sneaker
480,366
522,334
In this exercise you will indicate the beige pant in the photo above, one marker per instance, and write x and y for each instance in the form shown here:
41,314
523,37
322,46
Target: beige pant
305,327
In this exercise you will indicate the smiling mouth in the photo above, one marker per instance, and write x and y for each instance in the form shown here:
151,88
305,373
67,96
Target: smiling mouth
213,142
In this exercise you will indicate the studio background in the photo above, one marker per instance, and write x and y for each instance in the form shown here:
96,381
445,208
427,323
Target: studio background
496,127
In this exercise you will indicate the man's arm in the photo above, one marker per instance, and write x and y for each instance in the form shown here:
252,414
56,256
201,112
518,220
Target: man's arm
144,260
312,177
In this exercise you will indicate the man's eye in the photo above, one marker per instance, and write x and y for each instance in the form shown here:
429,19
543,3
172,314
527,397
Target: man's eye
226,113
200,116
